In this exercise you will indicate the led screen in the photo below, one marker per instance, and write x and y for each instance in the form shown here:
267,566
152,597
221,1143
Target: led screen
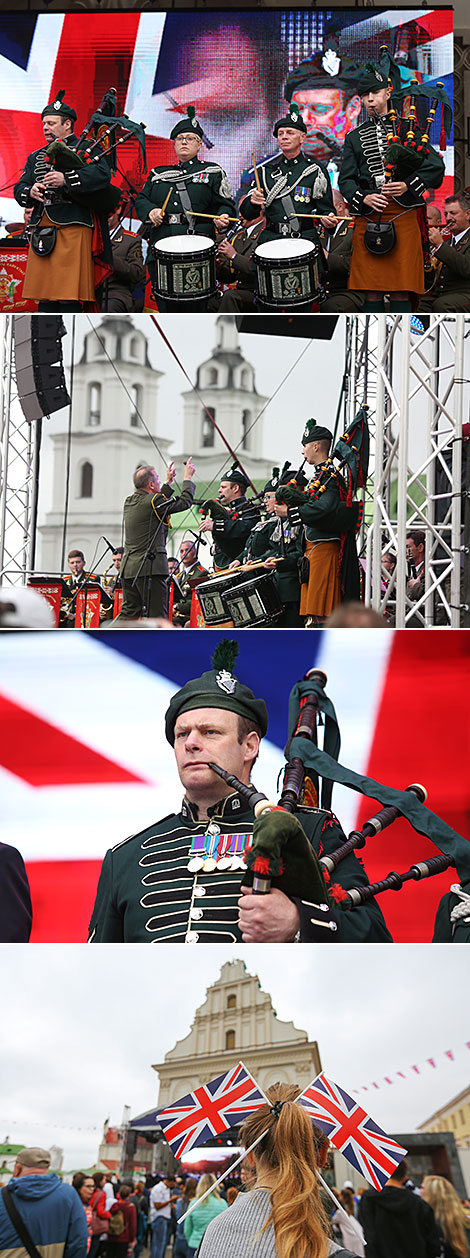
231,65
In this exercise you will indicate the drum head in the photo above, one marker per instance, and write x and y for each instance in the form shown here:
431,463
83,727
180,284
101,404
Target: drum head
291,247
184,244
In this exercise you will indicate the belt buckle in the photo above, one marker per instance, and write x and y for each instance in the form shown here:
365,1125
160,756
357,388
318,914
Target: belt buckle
284,227
174,218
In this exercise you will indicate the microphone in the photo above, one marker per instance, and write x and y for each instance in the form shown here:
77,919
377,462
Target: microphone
113,549
202,541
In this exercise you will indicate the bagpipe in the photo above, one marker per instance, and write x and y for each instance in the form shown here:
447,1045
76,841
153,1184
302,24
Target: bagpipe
103,130
281,854
352,453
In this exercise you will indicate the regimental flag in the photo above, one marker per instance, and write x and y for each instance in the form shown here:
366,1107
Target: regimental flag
208,1110
352,1131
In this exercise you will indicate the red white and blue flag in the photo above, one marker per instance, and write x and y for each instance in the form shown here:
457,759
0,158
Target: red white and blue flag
352,1131
210,1109
84,761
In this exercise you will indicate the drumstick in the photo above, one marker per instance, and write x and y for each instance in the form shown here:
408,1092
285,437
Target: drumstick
165,203
199,214
257,178
246,567
347,218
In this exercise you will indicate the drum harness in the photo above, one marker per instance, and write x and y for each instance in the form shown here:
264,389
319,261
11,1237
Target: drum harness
277,192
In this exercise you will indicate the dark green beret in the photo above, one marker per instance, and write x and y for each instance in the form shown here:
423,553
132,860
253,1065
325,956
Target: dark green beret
371,79
217,688
235,476
188,124
330,68
315,432
292,119
281,478
59,109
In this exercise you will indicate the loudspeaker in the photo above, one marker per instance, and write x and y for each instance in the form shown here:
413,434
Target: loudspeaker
310,327
39,364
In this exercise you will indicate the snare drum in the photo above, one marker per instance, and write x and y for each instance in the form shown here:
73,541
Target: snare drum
287,273
185,269
212,597
256,602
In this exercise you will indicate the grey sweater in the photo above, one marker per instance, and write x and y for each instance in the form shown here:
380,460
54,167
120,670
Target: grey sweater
234,1234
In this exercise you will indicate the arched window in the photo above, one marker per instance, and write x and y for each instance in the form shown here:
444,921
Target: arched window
245,379
230,1039
86,481
231,1001
212,375
94,405
134,347
246,434
136,407
208,430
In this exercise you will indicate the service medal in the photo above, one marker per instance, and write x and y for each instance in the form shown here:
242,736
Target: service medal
209,865
224,862
195,864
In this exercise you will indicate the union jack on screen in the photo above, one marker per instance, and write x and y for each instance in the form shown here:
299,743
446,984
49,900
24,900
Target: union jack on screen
352,1131
210,1109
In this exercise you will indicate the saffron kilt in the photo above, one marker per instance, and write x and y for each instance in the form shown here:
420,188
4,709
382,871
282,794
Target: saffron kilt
323,592
401,270
67,273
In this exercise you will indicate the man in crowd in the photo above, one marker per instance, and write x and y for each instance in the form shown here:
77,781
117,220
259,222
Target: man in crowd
161,1201
230,518
337,246
59,272
181,879
186,190
190,577
50,1211
77,580
451,290
16,914
415,550
397,1223
117,294
144,568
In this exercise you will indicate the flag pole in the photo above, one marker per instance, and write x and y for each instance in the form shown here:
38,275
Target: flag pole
331,1194
224,1176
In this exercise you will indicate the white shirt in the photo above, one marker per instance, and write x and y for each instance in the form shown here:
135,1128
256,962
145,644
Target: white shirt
160,1192
109,1194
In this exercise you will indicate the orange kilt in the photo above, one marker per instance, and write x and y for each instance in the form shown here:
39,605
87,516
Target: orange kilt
67,274
401,270
323,592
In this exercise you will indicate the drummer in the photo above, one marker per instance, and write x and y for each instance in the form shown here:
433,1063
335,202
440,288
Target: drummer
280,544
197,187
293,189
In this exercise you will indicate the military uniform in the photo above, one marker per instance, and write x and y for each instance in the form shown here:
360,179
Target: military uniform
188,581
300,179
146,529
363,172
128,271
456,929
339,248
207,187
231,531
265,542
146,894
66,274
452,287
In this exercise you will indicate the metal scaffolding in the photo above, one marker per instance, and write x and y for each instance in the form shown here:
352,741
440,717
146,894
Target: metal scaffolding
414,382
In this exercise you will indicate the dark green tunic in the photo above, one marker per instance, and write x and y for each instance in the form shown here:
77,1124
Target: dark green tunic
146,894
208,190
308,184
264,543
362,170
74,203
446,931
231,532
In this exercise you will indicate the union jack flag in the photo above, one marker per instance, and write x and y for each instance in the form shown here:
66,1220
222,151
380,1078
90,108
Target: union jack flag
352,1131
214,1107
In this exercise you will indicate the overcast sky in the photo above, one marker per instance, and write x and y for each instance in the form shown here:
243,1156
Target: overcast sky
81,1027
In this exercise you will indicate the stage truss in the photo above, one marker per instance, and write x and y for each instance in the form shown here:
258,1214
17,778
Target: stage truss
408,379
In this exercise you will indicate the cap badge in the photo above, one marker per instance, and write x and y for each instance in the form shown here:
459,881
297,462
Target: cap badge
331,62
226,682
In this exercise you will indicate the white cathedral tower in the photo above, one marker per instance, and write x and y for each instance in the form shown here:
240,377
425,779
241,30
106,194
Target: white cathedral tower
108,441
226,381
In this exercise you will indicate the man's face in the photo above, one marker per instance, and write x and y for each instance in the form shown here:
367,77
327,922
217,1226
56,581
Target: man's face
456,218
341,208
376,102
28,215
154,485
433,216
187,144
228,492
416,553
324,109
290,141
314,452
270,501
56,128
76,565
187,554
210,734
117,562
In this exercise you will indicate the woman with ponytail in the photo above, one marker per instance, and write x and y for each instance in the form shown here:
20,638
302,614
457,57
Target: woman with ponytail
283,1215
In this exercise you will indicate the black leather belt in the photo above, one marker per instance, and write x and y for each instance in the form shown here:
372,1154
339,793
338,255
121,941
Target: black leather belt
281,229
177,218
